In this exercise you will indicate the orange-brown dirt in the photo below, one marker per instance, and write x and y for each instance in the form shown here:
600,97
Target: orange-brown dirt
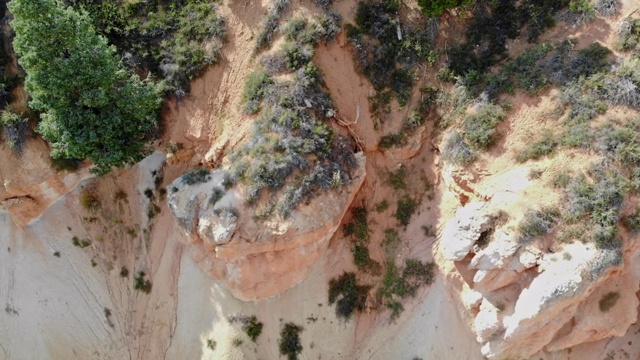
81,303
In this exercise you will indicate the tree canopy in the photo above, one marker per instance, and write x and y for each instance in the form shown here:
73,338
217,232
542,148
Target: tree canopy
91,106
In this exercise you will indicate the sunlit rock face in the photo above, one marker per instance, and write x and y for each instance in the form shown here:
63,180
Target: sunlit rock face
256,258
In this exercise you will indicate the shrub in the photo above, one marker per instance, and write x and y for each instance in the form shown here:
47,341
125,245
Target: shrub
608,301
632,222
537,223
545,146
584,104
607,8
418,273
437,7
216,195
324,4
153,210
62,164
561,180
211,344
289,136
456,150
269,25
414,121
89,200
254,90
628,34
620,143
16,130
382,206
124,272
394,284
297,55
329,25
391,140
396,179
580,11
599,203
406,208
196,176
289,343
363,261
348,295
237,342
141,283
390,243
253,328
480,127
396,309
273,64
80,243
358,226
578,135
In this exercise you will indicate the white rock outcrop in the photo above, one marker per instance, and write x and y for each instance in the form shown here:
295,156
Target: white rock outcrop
524,299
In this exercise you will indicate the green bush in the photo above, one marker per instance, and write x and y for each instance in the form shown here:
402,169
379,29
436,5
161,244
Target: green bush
621,142
254,90
382,206
16,130
363,261
406,208
545,146
437,7
80,243
579,136
269,25
418,273
396,308
480,127
289,343
91,107
347,294
597,203
629,34
632,222
196,176
392,140
402,284
141,283
297,55
211,344
537,223
396,179
561,180
358,227
456,150
253,328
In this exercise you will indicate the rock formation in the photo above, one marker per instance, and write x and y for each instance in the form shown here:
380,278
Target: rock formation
256,258
525,298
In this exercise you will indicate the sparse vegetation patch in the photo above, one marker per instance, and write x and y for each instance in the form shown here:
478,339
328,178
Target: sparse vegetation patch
289,343
347,294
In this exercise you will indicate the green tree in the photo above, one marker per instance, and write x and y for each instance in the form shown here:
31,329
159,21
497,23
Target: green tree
91,107
437,7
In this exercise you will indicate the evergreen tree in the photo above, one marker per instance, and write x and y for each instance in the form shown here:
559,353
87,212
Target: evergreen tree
91,107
